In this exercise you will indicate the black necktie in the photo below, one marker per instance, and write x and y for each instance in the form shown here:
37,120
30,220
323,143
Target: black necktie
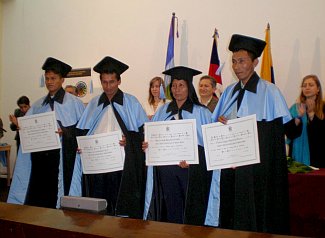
180,114
51,102
240,97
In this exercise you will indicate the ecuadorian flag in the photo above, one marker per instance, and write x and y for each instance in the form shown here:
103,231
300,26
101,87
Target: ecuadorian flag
267,64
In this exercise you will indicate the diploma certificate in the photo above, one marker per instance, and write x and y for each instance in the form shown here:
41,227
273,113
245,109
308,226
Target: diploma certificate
170,142
38,132
101,153
231,145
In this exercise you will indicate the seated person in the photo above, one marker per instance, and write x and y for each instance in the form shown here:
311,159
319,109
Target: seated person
24,105
1,129
2,153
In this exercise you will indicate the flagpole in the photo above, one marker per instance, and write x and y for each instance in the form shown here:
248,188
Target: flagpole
170,54
267,72
215,67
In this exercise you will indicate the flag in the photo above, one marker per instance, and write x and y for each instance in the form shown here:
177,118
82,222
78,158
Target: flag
170,55
162,94
214,69
91,87
42,81
267,64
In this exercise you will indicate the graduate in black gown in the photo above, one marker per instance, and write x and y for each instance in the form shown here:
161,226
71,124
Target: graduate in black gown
111,111
255,197
179,193
41,178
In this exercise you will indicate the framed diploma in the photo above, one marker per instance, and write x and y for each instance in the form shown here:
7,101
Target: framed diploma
170,142
231,145
38,132
101,153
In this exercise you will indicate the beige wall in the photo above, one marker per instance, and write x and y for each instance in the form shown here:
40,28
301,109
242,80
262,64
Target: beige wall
82,32
1,23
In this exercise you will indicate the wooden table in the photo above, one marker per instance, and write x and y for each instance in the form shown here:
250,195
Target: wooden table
6,149
17,221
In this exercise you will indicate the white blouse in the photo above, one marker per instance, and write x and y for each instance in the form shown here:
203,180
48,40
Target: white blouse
149,108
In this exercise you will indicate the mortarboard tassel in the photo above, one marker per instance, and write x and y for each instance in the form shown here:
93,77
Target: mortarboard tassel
42,81
162,92
91,87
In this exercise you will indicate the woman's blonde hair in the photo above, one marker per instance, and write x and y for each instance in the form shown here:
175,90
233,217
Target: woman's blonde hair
319,103
151,99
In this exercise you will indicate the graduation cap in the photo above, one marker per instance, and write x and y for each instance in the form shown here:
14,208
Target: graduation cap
109,64
182,72
253,45
57,66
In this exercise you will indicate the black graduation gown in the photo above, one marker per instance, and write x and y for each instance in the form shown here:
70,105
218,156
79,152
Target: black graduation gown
258,194
256,197
197,191
316,141
43,184
123,190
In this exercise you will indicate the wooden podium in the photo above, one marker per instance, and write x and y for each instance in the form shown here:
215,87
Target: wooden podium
6,149
18,221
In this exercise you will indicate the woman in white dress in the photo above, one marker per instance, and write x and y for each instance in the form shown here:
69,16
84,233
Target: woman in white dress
156,96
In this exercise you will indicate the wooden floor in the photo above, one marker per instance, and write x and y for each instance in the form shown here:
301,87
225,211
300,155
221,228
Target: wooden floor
4,189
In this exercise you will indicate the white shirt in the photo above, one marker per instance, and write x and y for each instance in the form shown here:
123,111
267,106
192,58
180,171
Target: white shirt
108,123
149,108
